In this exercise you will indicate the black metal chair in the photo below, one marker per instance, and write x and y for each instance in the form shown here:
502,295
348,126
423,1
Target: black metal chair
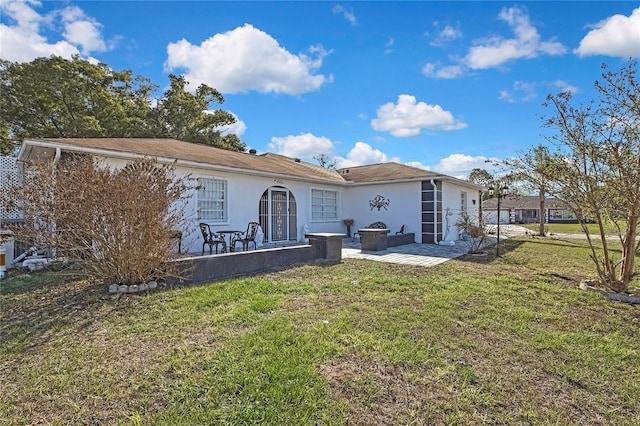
249,236
212,239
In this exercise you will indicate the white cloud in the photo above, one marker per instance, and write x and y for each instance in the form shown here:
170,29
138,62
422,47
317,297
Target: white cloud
82,31
565,87
22,41
418,165
361,154
618,36
346,14
305,146
408,118
390,42
521,92
25,17
244,59
446,35
495,51
460,165
446,72
238,128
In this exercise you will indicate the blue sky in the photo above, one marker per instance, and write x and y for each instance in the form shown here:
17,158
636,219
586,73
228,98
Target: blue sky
439,85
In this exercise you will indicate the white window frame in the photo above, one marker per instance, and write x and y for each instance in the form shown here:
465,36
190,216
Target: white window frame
463,202
322,208
218,197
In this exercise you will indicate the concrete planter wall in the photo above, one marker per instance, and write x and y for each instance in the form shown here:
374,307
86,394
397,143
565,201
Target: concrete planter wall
373,239
202,269
379,239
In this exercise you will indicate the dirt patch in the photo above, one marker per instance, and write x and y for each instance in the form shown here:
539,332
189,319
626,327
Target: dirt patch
377,393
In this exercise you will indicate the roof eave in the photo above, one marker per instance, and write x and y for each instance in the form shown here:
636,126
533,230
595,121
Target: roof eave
27,148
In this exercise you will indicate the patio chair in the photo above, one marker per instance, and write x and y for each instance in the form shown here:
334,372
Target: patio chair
249,236
212,239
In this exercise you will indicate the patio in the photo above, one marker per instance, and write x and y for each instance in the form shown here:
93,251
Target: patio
408,254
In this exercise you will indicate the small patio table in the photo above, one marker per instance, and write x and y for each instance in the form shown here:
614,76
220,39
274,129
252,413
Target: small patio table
230,236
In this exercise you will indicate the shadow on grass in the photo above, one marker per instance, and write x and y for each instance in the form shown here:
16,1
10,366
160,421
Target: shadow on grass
32,305
489,254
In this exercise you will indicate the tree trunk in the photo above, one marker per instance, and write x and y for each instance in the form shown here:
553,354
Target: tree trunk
629,252
541,215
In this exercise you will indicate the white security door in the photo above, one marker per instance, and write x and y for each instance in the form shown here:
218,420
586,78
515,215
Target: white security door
278,214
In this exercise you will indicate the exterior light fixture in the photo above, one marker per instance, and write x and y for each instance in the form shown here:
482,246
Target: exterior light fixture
499,193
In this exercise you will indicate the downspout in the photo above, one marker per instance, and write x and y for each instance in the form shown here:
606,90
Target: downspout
435,212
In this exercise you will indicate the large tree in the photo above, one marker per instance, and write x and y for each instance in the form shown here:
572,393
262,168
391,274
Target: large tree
481,177
188,116
596,168
55,97
531,170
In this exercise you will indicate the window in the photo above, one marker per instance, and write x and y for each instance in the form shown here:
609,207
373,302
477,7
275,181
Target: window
212,200
463,201
324,204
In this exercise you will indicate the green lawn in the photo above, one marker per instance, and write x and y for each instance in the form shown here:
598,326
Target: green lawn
495,341
572,228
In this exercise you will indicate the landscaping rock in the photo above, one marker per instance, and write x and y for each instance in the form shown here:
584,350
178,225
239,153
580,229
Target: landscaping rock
143,287
123,288
611,295
152,284
114,288
133,288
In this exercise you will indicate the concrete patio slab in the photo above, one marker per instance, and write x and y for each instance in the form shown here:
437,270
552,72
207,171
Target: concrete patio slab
421,254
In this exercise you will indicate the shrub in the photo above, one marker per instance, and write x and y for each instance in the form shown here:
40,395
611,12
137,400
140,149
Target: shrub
118,223
468,225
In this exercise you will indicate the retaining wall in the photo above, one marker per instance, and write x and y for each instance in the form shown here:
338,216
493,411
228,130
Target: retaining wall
401,239
203,269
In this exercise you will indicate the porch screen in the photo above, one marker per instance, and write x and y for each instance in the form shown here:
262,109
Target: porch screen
212,200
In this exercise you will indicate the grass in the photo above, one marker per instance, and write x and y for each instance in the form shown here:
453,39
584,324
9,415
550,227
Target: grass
572,228
505,340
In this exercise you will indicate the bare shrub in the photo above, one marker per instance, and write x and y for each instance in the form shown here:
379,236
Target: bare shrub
475,229
118,223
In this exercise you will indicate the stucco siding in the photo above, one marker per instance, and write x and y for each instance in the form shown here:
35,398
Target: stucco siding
403,208
452,200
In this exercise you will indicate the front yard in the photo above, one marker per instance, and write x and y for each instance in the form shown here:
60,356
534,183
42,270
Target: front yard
492,341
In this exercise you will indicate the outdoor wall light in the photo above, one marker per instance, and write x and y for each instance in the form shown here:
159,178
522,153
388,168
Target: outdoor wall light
499,193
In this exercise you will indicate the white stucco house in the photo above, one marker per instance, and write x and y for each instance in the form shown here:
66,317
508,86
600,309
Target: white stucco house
285,195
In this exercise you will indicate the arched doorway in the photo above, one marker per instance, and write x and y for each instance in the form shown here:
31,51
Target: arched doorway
278,215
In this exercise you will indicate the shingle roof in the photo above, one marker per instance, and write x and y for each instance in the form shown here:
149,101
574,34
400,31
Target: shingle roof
206,155
384,172
389,172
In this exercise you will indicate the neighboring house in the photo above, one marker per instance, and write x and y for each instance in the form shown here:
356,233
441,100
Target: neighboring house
526,209
288,197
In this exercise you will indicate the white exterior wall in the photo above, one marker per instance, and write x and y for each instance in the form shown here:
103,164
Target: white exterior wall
452,199
404,206
244,192
243,201
491,216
